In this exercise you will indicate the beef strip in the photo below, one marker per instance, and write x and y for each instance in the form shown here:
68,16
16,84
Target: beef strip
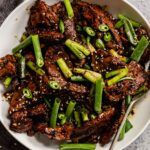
8,66
44,21
92,126
119,90
103,61
109,130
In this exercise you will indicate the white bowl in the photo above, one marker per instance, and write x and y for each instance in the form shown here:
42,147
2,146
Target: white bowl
12,29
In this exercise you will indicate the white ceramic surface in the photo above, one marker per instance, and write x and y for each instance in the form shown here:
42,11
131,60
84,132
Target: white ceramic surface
11,31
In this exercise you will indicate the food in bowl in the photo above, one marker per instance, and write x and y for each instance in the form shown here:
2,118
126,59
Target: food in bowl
74,73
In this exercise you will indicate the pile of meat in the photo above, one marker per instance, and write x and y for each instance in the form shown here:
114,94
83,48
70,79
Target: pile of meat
32,115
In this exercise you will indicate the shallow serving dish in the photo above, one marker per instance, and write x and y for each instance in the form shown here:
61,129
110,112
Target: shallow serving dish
10,33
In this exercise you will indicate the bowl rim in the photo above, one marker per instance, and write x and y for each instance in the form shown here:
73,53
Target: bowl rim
132,7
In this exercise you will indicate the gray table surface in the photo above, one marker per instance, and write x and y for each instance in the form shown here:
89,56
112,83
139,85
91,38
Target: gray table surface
143,142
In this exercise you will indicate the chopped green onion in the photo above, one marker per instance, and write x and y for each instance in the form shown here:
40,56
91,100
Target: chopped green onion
89,31
27,93
37,51
78,28
90,46
84,115
128,101
78,79
61,26
54,113
140,48
107,37
78,146
128,126
119,24
33,67
100,44
69,9
64,68
61,116
7,82
132,37
134,23
93,116
122,133
98,95
88,74
103,28
54,85
22,45
126,78
22,66
86,66
77,118
70,108
141,89
47,102
122,73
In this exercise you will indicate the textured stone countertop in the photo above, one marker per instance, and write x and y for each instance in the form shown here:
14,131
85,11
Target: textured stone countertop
7,142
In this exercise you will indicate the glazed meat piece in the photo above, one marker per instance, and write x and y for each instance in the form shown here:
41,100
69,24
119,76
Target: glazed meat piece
44,21
92,126
8,66
120,90
103,61
109,130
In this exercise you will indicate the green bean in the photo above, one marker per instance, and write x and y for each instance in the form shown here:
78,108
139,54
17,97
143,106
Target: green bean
22,63
78,79
78,28
74,45
69,9
122,73
7,82
82,146
140,48
119,24
134,23
54,85
99,86
22,45
84,115
54,112
128,101
77,118
89,31
103,27
33,67
107,37
128,126
122,133
88,74
47,102
37,51
61,26
64,68
100,44
27,93
70,108
132,37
